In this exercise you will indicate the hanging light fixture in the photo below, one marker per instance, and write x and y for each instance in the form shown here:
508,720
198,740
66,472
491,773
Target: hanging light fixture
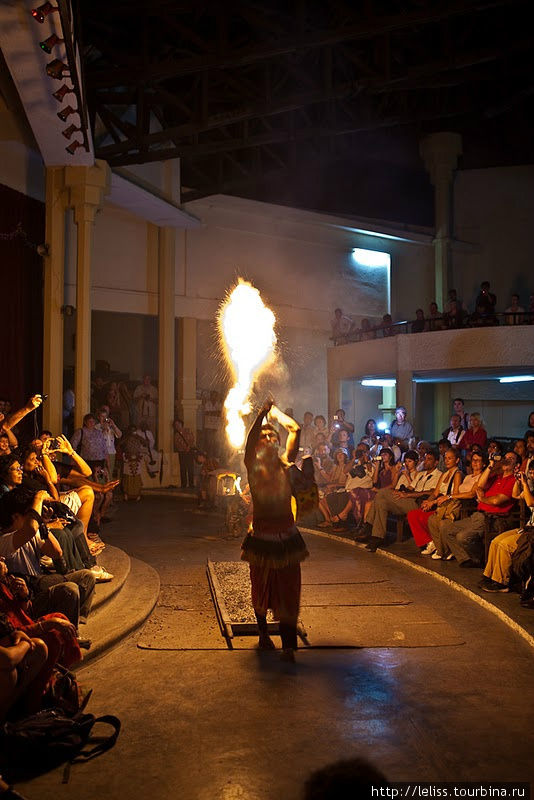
41,12
56,68
73,146
67,133
66,112
61,92
48,44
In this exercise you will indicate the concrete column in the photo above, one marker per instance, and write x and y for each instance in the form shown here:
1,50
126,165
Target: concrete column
54,265
166,286
186,379
440,153
87,187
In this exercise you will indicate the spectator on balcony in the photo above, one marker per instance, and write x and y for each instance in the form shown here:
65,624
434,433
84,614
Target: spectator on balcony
418,325
401,429
434,321
514,311
456,432
366,331
387,326
476,433
486,299
454,318
482,317
452,298
342,326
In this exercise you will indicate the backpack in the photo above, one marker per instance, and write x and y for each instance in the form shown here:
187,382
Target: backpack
49,738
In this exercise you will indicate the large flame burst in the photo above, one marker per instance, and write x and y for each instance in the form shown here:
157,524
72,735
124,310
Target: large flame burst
246,331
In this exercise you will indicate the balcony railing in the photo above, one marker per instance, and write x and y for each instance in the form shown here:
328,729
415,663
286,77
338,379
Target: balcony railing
439,323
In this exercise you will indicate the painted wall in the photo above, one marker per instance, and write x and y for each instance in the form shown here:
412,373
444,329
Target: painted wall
493,209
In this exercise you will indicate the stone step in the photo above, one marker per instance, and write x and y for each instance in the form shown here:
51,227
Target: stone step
118,563
119,613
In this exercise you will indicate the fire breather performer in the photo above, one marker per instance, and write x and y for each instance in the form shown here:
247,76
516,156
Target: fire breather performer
274,548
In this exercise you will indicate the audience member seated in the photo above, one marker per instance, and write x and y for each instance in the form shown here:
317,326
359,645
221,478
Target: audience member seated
387,326
386,440
401,429
71,594
456,432
320,426
307,433
454,318
434,321
520,448
449,484
418,325
23,669
367,332
370,436
494,449
443,446
494,493
530,424
384,475
454,502
422,448
515,312
458,407
497,572
341,327
412,486
529,443
475,434
338,427
323,466
486,299
453,303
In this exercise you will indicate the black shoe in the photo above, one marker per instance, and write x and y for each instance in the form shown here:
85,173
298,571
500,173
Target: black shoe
373,544
364,533
470,564
494,586
485,582
83,644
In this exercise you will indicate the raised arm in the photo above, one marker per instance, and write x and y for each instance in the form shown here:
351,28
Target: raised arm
293,431
64,446
33,403
254,434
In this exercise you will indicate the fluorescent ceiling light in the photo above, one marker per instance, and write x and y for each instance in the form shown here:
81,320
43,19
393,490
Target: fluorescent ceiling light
517,379
382,382
371,258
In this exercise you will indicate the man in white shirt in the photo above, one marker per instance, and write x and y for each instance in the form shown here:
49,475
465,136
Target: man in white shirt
395,501
341,327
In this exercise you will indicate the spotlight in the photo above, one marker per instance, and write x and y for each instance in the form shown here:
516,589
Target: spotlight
66,112
49,43
56,68
61,92
43,11
67,133
71,148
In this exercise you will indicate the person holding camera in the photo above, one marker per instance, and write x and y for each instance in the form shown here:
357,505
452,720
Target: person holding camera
339,424
498,568
495,495
401,429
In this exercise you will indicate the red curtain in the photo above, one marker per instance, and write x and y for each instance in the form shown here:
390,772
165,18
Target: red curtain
21,282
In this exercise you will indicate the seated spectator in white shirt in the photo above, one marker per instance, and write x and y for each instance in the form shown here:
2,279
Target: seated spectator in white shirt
456,432
513,310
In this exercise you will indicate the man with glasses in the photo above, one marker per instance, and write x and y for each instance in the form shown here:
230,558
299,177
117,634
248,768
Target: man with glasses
495,494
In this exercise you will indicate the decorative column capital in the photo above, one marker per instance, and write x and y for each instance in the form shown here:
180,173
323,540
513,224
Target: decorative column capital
87,187
440,153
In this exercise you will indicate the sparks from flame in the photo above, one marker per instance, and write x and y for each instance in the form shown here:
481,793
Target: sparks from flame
246,330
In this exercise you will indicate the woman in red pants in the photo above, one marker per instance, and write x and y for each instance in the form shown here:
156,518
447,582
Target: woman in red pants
449,483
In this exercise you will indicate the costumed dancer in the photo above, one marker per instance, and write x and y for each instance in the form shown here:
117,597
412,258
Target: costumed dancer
274,548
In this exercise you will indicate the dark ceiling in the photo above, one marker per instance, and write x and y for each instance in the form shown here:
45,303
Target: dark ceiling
315,104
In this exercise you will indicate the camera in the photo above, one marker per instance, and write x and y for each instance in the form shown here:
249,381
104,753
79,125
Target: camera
377,458
495,457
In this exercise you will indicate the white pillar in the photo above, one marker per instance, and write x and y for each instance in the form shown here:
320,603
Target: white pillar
440,153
